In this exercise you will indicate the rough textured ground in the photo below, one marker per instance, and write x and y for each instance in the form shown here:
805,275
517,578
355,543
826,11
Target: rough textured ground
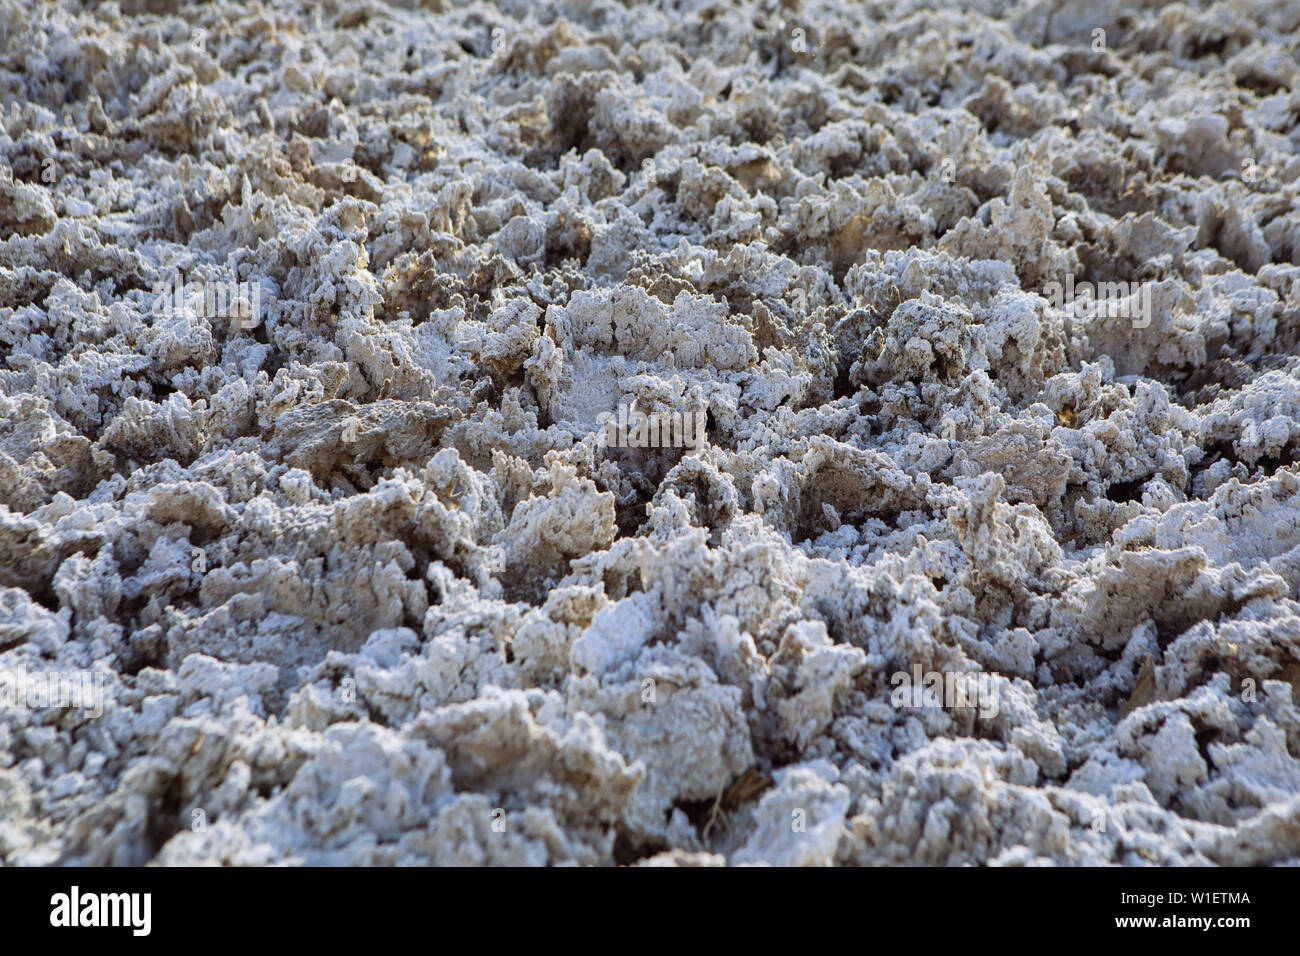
359,582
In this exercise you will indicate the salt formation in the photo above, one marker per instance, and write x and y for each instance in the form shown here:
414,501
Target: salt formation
358,579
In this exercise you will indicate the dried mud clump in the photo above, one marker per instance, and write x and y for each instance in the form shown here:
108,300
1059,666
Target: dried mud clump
355,577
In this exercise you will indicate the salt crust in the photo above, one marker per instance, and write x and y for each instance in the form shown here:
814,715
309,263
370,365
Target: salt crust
363,588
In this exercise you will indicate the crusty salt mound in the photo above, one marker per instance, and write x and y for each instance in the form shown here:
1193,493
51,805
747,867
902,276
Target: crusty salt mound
989,552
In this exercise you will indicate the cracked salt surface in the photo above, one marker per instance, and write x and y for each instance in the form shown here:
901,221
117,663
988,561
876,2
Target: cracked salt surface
313,544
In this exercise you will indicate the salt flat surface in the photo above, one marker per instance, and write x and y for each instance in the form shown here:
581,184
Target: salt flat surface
327,332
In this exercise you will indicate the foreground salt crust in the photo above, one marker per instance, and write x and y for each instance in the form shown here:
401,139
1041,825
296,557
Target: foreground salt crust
361,584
